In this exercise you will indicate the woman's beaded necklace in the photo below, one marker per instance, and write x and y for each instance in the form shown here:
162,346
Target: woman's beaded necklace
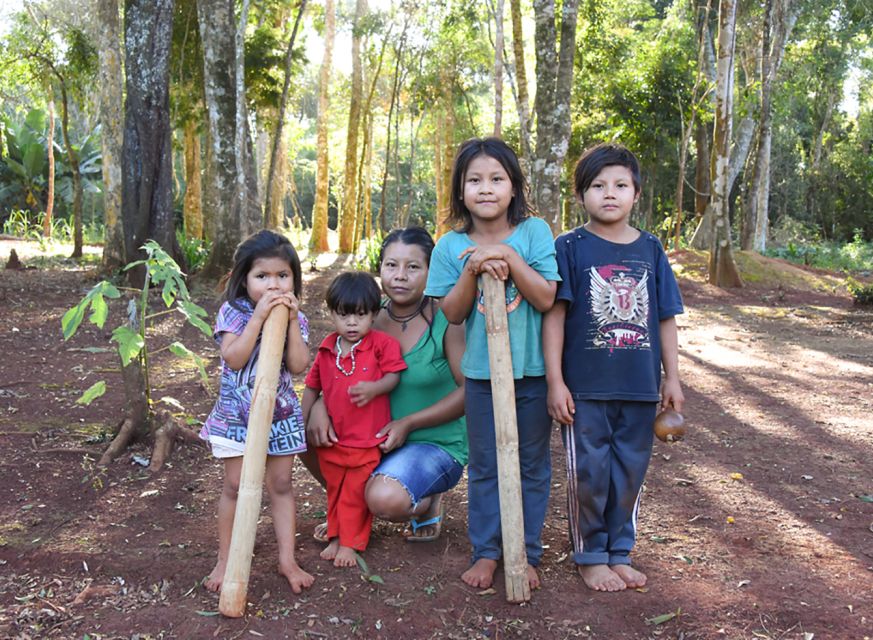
339,356
403,321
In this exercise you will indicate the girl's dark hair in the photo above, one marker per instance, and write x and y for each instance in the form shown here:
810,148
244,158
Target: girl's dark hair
263,244
595,159
353,292
411,235
519,209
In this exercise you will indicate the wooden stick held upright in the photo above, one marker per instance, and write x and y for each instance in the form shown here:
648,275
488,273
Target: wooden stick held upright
232,602
506,435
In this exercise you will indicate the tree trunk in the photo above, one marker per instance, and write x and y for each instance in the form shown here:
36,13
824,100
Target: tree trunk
498,68
111,88
147,195
192,209
350,197
552,105
50,191
246,165
779,19
523,100
722,269
318,238
271,213
73,161
222,197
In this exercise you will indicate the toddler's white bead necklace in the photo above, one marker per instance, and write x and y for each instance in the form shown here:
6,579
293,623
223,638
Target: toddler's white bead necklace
339,356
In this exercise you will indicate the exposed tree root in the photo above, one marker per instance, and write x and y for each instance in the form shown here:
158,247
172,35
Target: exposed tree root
126,434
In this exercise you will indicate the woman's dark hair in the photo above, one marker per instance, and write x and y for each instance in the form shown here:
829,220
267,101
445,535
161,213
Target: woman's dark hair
519,209
595,159
263,244
353,292
411,235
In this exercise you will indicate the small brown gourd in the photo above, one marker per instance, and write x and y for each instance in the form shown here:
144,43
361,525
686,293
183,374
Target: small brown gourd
669,426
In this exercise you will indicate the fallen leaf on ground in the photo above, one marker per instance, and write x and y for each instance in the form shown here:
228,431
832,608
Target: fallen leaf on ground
665,617
95,591
736,476
487,592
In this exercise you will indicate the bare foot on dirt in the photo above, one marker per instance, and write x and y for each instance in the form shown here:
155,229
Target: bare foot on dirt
601,578
345,557
297,577
632,578
533,578
329,552
481,574
212,582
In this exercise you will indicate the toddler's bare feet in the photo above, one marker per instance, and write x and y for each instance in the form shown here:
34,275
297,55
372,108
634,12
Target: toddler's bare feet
297,577
632,578
533,578
329,552
345,557
481,574
213,581
601,578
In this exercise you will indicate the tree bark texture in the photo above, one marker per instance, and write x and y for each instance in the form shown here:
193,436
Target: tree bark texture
111,87
222,183
192,208
50,190
554,71
318,239
147,180
722,268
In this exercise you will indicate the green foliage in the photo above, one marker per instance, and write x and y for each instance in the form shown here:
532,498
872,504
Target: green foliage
131,334
854,256
195,250
862,293
368,259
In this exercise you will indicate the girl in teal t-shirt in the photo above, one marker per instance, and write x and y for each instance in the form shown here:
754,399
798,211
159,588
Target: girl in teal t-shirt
497,237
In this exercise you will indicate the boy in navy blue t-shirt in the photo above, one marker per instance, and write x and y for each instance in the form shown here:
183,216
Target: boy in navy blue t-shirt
605,340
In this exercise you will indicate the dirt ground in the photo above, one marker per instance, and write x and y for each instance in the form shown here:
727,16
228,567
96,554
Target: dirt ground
758,525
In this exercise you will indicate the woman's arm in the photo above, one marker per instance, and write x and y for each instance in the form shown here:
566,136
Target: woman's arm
446,409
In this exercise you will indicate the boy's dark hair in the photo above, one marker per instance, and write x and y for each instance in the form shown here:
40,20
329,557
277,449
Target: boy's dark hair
595,159
262,244
353,292
519,209
412,235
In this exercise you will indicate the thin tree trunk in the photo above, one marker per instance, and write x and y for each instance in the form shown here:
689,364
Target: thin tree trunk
395,86
722,268
192,209
318,238
350,199
498,68
523,101
270,215
73,161
50,143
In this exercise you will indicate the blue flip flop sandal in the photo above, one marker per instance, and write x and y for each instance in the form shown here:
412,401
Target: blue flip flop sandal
435,522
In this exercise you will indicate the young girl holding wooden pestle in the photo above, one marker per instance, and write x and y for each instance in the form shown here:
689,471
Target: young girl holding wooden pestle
496,236
266,273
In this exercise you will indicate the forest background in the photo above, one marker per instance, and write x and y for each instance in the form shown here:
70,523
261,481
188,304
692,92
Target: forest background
193,123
